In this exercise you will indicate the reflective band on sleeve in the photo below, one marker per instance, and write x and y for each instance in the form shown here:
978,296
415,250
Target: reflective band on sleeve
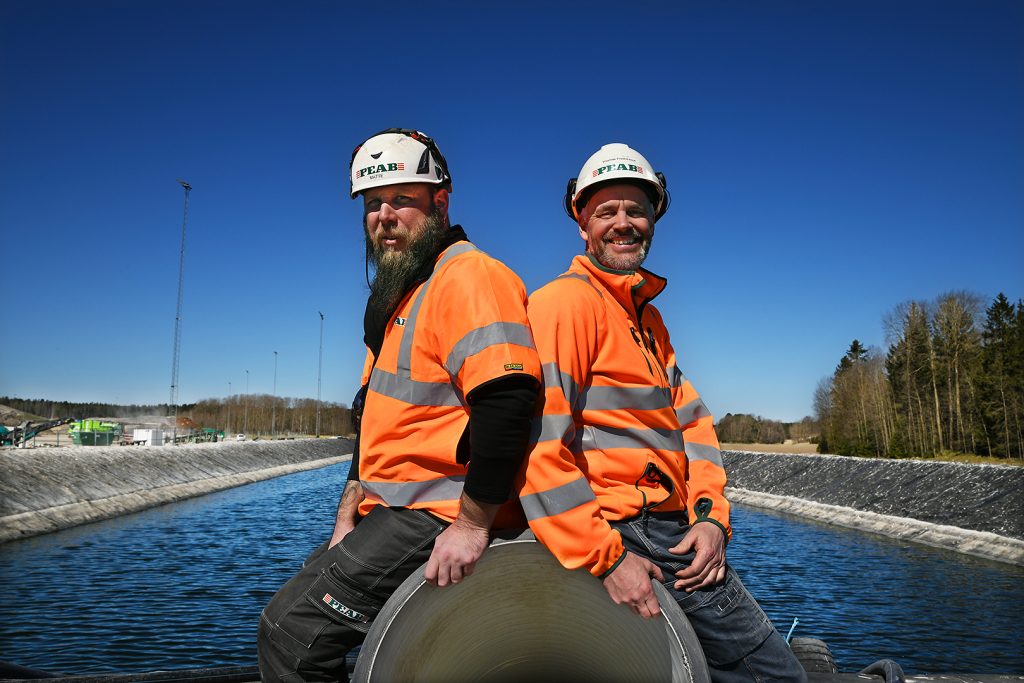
481,338
405,493
413,391
675,377
554,377
604,438
692,411
550,428
698,451
557,500
578,276
625,398
409,331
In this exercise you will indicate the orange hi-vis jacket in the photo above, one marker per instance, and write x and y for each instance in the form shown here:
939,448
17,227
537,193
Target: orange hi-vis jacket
621,430
463,327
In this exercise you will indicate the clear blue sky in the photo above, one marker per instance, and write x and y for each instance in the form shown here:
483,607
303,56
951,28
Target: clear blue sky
827,160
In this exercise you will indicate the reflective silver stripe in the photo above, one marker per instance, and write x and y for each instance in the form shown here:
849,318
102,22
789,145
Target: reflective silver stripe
481,338
584,278
698,451
675,377
404,362
413,391
557,500
625,398
604,438
408,332
405,493
692,411
550,428
554,377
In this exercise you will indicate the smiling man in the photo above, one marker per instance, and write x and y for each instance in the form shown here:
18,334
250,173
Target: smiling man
450,382
625,477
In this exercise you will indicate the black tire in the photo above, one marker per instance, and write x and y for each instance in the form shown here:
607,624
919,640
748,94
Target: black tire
814,655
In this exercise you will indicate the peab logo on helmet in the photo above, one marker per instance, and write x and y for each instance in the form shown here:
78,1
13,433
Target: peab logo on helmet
380,168
616,167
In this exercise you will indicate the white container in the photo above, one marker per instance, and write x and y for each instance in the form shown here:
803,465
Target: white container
149,437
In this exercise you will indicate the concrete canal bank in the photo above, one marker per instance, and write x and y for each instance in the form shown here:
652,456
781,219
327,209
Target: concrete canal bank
46,489
975,509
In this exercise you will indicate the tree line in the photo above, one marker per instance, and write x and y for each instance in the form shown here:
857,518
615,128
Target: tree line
47,409
255,413
263,414
951,380
743,428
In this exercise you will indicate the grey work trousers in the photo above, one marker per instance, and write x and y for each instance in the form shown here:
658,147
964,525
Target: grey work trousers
739,641
326,609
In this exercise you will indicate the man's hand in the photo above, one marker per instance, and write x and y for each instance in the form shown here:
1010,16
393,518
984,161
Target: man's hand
457,548
348,511
708,566
630,584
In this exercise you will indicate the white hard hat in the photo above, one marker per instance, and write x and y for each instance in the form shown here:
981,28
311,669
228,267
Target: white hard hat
397,155
616,162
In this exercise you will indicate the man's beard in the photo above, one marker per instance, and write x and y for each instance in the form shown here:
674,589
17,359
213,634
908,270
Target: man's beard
395,271
609,258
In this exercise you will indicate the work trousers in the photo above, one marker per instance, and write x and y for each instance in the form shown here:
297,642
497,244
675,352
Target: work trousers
739,641
326,609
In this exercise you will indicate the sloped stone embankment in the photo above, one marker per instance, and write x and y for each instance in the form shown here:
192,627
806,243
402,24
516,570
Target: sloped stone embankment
46,489
976,509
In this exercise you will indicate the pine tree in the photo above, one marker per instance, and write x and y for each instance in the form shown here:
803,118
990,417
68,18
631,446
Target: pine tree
1001,387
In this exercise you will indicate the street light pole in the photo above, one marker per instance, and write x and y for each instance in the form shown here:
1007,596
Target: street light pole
245,412
273,403
319,368
229,408
177,318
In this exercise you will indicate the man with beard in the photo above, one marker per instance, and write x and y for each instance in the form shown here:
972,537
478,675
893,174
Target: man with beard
449,387
625,476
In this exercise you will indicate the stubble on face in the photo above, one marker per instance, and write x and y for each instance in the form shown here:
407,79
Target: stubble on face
606,255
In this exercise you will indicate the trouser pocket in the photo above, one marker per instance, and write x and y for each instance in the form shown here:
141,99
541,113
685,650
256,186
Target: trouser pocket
327,608
385,548
726,618
299,637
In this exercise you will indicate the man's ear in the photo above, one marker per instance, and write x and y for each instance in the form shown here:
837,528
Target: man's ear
581,223
441,200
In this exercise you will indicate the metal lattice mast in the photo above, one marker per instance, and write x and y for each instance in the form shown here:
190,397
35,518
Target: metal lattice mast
177,316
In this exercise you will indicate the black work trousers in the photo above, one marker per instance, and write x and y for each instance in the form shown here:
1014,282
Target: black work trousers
326,609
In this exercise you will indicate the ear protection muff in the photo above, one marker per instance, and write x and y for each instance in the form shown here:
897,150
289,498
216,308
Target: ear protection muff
667,201
568,202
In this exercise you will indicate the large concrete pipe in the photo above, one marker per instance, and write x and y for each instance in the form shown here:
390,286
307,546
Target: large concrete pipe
522,617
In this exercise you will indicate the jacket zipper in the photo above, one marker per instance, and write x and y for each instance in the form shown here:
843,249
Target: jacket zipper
643,342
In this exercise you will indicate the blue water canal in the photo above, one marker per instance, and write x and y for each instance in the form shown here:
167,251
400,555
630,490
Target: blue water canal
183,585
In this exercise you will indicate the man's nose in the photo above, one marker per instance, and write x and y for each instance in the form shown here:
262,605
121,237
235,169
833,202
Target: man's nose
621,221
387,214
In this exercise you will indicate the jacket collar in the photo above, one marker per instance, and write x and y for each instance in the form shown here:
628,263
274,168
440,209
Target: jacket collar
630,288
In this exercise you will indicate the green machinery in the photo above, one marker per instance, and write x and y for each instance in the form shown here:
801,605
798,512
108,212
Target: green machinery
15,436
95,433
